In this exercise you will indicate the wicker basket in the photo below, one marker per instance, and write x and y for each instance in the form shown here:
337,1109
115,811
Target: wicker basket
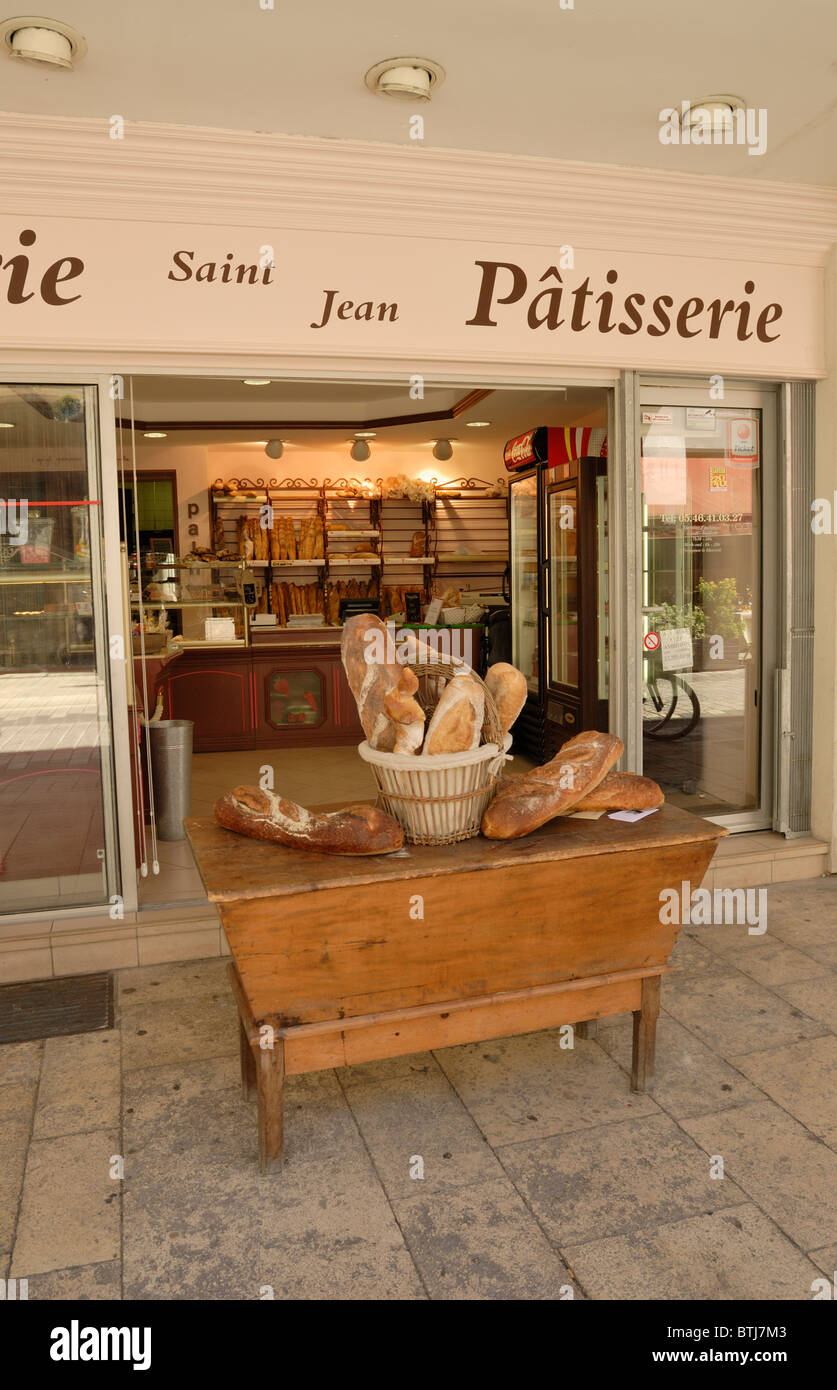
440,798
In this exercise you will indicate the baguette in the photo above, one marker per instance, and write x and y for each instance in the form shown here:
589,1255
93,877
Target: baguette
508,686
265,815
456,723
622,791
523,804
370,681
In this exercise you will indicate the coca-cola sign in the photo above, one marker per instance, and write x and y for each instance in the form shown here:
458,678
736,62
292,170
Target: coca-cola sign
519,452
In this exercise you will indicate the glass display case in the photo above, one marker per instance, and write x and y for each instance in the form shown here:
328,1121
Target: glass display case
558,585
523,541
201,603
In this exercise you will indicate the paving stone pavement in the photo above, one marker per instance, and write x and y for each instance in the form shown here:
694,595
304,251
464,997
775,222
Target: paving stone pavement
518,1168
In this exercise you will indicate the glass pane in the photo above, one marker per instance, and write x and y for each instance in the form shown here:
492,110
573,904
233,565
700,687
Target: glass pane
296,697
562,522
56,842
524,578
701,521
602,568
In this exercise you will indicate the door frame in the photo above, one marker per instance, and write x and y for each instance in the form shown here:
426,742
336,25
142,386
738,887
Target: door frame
755,395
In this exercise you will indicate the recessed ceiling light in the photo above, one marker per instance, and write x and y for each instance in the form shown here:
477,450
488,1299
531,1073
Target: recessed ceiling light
365,434
47,42
406,79
720,106
154,434
256,380
477,424
4,425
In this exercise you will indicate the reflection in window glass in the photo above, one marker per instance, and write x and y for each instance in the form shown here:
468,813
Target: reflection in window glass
56,840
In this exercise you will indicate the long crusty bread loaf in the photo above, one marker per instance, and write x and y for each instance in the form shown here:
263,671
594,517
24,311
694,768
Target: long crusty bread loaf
267,816
508,686
622,791
456,723
524,803
371,679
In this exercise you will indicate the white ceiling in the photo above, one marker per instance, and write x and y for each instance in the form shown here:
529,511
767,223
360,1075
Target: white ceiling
527,77
162,400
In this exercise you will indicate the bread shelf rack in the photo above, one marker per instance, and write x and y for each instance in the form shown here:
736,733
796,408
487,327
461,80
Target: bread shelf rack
464,511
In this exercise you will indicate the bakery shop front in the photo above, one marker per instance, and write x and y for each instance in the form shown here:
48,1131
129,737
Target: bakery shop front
564,477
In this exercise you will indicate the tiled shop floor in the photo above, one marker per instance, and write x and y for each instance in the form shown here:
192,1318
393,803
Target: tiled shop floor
512,1169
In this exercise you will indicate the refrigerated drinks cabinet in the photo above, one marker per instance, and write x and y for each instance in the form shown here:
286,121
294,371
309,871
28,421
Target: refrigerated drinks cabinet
558,583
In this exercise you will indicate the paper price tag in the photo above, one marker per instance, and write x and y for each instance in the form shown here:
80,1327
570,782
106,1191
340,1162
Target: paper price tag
676,649
632,815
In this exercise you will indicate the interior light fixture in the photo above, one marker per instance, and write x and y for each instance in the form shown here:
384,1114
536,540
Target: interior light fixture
477,424
46,42
359,450
717,107
365,434
405,79
442,450
254,380
6,425
154,434
274,449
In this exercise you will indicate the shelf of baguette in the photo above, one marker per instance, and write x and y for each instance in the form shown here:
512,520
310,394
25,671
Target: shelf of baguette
345,539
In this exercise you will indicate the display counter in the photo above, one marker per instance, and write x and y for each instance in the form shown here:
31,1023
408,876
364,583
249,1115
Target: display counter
286,693
287,689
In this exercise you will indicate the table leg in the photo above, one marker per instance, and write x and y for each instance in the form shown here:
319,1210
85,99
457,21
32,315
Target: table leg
270,1071
588,1029
248,1061
645,1034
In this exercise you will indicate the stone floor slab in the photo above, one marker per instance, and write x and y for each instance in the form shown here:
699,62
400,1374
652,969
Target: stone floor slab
615,1178
826,1260
349,1247
689,1077
737,1253
89,1282
790,1173
14,1143
20,1063
801,1077
732,1014
816,998
69,1212
155,1035
420,1124
80,1084
481,1243
531,1086
770,961
157,984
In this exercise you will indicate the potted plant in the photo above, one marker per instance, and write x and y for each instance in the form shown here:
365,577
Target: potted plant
721,605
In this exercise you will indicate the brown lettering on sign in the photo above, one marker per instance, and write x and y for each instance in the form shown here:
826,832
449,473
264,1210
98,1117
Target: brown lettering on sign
210,272
19,266
362,313
505,283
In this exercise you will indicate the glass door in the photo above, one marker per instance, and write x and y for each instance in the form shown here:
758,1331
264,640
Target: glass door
523,557
57,836
563,618
703,502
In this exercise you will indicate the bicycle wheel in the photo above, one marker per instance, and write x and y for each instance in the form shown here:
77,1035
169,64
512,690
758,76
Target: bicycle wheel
664,702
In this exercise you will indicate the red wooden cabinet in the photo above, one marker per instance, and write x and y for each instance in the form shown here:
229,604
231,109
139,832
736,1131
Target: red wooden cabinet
301,697
214,690
271,697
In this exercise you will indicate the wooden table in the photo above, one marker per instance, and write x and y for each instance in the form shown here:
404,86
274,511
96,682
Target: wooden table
338,960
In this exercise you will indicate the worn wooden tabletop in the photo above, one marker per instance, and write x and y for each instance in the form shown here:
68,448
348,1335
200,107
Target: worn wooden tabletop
234,867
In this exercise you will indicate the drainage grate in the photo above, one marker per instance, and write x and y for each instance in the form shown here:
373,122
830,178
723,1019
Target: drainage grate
55,1008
